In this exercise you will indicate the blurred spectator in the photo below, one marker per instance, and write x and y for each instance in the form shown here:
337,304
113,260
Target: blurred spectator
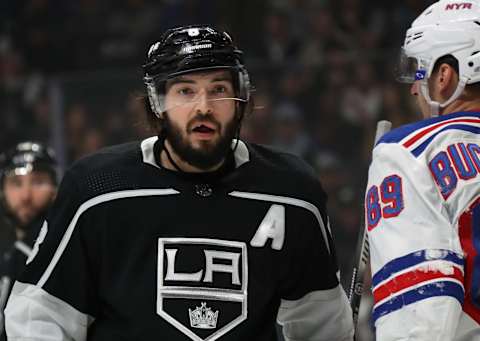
76,128
289,133
361,100
280,45
92,141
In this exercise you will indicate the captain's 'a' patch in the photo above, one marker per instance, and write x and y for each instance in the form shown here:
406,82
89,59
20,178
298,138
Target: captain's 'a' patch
202,285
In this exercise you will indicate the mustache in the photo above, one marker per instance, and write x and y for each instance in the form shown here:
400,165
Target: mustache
202,118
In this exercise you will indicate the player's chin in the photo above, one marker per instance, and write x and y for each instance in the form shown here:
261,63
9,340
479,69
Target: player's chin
25,218
201,140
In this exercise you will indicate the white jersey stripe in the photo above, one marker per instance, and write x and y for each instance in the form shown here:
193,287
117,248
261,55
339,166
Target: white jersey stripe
23,248
89,204
420,266
471,121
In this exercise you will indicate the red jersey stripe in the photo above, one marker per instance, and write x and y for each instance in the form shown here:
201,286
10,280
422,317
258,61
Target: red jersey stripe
418,136
410,279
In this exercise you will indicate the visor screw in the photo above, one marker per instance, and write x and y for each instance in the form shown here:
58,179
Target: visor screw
470,64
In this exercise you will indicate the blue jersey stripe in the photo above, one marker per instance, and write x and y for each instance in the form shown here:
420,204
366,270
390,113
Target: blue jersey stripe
442,288
398,134
414,258
418,150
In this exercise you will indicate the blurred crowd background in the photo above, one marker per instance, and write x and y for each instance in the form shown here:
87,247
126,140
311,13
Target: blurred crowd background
70,76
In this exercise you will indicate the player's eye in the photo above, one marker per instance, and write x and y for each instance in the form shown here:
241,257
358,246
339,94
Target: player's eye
221,90
40,182
15,182
185,91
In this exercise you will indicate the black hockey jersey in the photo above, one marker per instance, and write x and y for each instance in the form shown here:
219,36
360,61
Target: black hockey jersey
12,264
133,251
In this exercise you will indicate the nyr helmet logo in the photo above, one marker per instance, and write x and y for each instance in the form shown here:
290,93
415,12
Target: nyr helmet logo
420,75
202,285
458,5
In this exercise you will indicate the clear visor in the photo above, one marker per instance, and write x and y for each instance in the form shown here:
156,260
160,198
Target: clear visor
409,69
20,170
213,89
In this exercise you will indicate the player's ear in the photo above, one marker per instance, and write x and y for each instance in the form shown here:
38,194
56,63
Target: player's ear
446,80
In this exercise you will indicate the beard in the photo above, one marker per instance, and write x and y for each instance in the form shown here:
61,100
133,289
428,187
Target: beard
24,222
210,153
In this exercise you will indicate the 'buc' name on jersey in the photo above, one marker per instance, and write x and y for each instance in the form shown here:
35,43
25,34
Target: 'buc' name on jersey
423,216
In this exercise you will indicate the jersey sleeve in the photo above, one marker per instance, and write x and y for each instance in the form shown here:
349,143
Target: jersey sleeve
416,259
52,299
314,306
5,285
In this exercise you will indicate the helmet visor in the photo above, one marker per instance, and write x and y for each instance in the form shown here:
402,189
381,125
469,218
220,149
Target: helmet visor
218,87
19,170
408,69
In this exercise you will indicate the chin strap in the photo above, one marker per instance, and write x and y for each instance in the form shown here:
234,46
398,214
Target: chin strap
171,160
436,106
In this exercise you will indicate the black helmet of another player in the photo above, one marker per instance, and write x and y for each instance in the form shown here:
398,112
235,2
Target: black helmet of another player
189,49
27,157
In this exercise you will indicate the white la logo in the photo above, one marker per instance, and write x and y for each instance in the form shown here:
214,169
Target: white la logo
210,267
202,271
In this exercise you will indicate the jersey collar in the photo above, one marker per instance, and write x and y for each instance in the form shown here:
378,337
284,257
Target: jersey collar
241,153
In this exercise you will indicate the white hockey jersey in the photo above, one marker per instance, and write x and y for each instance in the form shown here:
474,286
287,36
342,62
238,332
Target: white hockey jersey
422,212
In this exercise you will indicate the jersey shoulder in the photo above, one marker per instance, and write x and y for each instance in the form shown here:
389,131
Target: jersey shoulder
110,169
285,174
113,156
417,136
275,160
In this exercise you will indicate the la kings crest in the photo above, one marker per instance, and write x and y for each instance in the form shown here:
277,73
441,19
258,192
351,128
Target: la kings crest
202,285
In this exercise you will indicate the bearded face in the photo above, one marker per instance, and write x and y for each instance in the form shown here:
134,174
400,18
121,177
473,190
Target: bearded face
28,196
200,121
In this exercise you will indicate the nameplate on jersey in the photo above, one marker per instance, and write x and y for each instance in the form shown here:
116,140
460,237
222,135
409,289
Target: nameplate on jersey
202,285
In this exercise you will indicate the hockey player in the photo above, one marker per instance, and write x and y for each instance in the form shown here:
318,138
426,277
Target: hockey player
188,235
423,194
28,187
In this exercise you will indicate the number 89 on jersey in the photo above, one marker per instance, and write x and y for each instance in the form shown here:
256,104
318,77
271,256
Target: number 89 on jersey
384,201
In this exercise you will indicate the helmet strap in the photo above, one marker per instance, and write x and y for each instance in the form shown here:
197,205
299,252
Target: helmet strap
170,158
436,106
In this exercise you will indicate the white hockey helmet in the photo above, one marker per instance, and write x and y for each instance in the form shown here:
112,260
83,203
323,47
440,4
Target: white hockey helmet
445,28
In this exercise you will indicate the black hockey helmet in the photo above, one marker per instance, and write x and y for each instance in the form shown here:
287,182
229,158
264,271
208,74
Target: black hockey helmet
26,157
189,49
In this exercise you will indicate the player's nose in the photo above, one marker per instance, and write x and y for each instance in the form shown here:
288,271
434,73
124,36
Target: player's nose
25,193
415,88
203,104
